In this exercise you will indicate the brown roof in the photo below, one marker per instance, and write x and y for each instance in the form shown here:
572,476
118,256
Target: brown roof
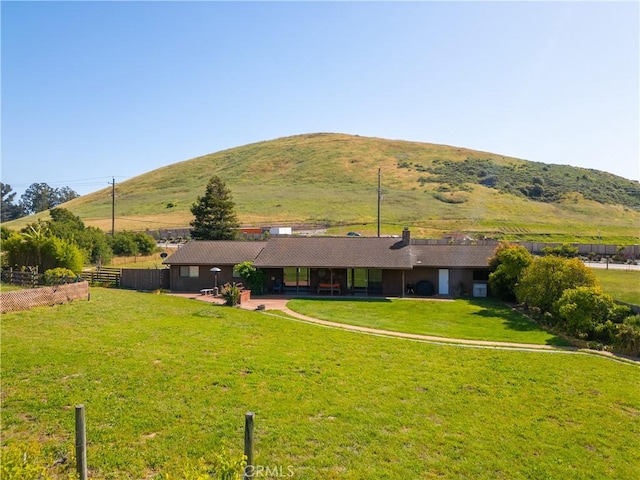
333,252
448,256
212,252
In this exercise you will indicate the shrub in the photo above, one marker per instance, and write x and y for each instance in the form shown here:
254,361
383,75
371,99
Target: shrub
56,276
566,251
544,281
123,243
627,339
231,294
508,263
606,332
36,247
146,243
252,276
581,309
130,244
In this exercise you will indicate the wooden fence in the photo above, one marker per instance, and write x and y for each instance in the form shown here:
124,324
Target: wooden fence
145,279
18,300
136,278
105,276
22,278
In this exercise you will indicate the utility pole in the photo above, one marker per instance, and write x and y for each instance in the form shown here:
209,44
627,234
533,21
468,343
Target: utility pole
379,199
113,206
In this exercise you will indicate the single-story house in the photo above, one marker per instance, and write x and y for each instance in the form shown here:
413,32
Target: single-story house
339,265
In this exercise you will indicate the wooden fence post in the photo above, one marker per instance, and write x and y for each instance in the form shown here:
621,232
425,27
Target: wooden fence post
248,445
81,443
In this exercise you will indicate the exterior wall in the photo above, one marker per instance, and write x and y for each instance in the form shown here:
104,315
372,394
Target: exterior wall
460,279
421,273
205,279
392,285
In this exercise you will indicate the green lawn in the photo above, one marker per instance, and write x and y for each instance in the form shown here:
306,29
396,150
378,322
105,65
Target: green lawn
478,319
164,379
622,285
7,287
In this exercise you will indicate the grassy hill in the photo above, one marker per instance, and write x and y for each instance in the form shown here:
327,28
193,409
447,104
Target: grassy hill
332,179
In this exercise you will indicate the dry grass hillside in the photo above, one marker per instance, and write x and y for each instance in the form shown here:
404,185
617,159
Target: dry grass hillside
331,179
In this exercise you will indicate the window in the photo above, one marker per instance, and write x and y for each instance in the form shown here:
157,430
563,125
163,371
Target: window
363,278
481,275
374,280
235,273
294,276
190,271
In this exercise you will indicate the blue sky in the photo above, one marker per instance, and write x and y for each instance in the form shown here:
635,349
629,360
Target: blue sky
94,90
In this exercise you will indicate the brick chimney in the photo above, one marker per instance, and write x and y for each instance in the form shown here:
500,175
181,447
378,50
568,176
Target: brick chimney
406,236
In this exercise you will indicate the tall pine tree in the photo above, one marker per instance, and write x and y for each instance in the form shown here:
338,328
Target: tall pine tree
214,214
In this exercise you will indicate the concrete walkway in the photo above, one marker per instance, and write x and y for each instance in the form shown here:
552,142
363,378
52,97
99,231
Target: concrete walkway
271,304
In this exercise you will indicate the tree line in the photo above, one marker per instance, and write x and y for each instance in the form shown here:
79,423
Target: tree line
65,242
37,198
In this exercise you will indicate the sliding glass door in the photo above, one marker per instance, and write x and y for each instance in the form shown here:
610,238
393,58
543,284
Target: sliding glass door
296,277
364,280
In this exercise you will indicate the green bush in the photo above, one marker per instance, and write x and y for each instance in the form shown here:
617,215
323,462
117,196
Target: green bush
252,276
56,276
91,240
507,264
566,251
36,247
544,281
146,244
124,244
231,294
581,309
129,244
627,339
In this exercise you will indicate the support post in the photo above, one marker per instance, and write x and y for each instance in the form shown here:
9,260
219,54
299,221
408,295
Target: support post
113,206
379,199
248,445
81,443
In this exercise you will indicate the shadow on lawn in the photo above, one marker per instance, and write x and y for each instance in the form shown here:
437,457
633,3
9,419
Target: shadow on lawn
513,319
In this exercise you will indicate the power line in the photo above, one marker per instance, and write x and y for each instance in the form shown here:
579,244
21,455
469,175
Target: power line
97,182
